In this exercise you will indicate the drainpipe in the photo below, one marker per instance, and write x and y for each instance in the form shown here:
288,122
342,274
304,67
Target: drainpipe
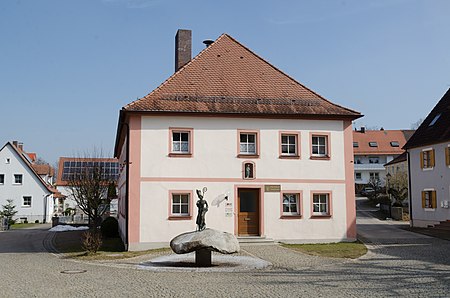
127,174
409,189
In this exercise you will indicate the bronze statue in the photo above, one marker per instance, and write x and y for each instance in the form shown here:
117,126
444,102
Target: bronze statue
202,206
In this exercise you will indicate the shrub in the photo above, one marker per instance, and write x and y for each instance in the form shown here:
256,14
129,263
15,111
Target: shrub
36,221
91,241
25,221
110,227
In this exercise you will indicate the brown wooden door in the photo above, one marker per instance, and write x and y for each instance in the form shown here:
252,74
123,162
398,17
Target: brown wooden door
248,212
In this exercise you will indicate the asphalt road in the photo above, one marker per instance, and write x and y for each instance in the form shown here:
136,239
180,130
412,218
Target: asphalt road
399,263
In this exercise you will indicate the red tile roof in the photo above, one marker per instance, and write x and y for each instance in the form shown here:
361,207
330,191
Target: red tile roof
43,169
228,78
383,138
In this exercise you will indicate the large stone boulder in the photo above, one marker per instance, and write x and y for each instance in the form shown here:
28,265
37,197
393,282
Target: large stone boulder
207,239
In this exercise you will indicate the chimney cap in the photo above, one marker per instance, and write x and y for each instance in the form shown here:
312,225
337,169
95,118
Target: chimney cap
208,42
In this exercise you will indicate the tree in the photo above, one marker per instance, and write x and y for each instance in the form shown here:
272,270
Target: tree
398,187
8,210
375,183
90,187
416,124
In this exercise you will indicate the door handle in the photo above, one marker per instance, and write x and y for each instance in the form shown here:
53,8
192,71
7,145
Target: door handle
247,218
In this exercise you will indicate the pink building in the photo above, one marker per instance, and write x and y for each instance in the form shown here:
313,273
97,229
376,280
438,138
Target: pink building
276,157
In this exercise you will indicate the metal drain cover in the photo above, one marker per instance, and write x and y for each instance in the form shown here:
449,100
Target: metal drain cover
76,271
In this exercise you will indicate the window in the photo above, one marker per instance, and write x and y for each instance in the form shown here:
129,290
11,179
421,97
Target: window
248,143
429,199
180,142
319,146
291,204
289,143
26,202
373,144
2,178
374,160
17,178
180,204
374,176
395,144
358,176
355,144
447,156
435,119
7,160
427,159
321,204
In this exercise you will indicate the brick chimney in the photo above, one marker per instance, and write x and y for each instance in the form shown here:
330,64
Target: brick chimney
18,145
183,48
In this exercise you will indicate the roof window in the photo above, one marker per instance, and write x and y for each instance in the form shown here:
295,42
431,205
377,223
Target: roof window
435,119
395,144
355,145
373,144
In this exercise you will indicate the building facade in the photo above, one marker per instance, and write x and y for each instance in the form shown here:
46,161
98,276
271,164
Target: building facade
372,150
19,182
275,158
429,167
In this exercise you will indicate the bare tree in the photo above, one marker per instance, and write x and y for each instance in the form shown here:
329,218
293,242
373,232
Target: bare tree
416,124
90,185
398,187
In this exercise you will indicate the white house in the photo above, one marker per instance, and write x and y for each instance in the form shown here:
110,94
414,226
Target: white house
373,149
19,182
429,167
276,158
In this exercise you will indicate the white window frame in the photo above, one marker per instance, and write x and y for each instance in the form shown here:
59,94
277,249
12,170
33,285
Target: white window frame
288,196
326,203
288,144
180,204
375,175
317,145
246,144
356,176
23,201
180,142
21,179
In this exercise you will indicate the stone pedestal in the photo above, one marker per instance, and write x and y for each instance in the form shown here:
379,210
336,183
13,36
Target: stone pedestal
203,258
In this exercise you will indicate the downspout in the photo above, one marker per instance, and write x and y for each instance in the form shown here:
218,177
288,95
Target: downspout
409,189
127,174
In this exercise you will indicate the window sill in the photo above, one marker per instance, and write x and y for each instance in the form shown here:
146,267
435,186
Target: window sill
25,206
185,155
429,209
320,216
319,157
289,157
290,216
248,156
174,217
17,184
428,169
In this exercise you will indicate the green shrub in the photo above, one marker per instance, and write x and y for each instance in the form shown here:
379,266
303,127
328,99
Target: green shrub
25,221
110,227
36,221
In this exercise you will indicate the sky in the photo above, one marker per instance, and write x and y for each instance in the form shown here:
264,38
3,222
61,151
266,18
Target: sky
68,67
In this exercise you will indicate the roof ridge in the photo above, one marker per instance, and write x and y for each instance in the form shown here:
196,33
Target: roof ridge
285,74
170,78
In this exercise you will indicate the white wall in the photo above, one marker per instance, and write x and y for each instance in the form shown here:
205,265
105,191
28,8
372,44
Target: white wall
437,178
214,164
31,186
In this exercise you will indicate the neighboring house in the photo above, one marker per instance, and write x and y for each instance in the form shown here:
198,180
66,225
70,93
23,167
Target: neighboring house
429,167
20,182
397,165
374,148
68,167
276,157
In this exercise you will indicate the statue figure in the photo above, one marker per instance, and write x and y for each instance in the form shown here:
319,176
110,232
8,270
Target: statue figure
202,206
248,171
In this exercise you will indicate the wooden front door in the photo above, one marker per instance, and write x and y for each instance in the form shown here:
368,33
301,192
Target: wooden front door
248,212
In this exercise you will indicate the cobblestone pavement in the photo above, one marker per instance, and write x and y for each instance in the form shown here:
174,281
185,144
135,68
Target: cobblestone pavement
413,266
